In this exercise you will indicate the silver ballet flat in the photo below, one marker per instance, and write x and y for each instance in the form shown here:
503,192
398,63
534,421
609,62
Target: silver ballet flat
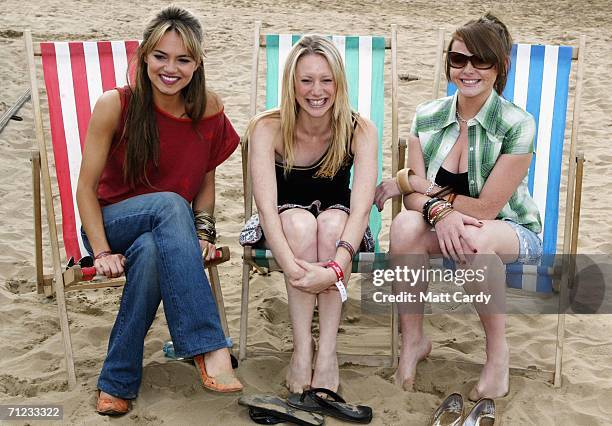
449,412
482,414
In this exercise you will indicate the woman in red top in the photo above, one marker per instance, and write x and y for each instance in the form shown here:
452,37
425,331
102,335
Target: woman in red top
149,159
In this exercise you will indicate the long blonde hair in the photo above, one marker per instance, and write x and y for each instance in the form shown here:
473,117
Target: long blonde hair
140,130
342,116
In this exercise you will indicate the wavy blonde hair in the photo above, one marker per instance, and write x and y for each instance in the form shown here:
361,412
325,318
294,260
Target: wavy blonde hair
342,116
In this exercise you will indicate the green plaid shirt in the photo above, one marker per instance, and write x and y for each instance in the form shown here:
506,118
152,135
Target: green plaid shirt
500,127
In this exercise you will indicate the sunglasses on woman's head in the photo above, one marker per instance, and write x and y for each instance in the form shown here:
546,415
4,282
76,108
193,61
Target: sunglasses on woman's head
459,60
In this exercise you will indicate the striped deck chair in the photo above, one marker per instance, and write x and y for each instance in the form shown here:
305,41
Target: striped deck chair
538,82
364,63
75,75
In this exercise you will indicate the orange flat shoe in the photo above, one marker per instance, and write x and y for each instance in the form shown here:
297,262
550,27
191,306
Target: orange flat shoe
114,406
224,382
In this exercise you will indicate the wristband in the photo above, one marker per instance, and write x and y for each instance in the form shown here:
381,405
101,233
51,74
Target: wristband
339,279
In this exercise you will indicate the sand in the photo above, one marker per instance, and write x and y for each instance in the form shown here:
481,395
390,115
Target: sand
31,351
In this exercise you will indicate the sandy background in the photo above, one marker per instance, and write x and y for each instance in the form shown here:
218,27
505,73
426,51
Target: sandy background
31,354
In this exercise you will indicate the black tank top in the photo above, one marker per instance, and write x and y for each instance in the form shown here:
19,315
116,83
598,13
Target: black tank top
458,181
302,187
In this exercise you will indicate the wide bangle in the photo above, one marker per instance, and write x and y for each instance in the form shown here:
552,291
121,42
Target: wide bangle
403,182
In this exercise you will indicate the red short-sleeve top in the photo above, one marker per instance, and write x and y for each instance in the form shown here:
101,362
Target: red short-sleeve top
185,155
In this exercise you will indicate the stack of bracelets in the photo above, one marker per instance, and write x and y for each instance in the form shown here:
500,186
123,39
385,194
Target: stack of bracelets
437,208
347,246
205,226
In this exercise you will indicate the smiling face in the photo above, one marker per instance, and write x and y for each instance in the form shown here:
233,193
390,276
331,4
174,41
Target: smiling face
472,82
170,66
315,88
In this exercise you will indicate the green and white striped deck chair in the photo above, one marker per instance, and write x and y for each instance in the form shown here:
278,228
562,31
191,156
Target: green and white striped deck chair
538,82
364,58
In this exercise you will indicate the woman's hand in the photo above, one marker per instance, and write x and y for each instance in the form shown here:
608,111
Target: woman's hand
316,278
209,251
386,189
111,265
452,236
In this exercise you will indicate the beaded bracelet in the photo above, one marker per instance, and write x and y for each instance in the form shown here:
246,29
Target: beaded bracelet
102,254
430,188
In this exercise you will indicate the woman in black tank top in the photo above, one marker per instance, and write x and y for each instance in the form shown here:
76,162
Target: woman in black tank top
300,159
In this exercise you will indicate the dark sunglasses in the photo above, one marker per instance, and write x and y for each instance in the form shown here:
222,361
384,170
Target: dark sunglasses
459,60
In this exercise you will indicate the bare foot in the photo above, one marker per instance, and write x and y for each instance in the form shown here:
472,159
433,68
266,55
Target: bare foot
299,374
410,356
495,376
326,374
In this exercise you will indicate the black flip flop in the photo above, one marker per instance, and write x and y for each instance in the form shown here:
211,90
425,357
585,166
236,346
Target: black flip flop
263,417
334,406
270,409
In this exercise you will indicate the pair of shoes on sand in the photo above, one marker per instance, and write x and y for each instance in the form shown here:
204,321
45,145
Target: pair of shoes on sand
450,412
224,382
307,408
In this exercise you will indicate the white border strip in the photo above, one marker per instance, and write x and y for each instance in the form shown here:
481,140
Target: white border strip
521,77
94,76
547,104
365,76
120,62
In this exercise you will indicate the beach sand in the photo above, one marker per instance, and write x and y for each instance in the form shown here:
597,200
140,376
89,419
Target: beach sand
31,352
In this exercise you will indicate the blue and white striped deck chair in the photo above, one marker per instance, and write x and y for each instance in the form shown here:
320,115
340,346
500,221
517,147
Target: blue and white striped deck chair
538,82
364,59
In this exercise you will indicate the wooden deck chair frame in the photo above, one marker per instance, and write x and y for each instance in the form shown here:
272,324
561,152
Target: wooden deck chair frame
565,271
259,40
69,279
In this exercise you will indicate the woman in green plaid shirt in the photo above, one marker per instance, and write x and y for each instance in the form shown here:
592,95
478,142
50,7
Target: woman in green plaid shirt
479,147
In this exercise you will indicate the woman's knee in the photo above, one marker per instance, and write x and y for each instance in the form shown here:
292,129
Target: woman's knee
299,226
407,230
330,224
171,204
481,239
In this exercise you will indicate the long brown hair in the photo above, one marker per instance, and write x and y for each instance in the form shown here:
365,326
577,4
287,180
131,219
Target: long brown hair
489,38
140,130
342,118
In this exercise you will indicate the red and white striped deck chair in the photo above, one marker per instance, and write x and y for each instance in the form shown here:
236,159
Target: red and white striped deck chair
75,75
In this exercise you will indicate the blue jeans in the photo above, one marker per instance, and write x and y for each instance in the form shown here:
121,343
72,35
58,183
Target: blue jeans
156,234
530,245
